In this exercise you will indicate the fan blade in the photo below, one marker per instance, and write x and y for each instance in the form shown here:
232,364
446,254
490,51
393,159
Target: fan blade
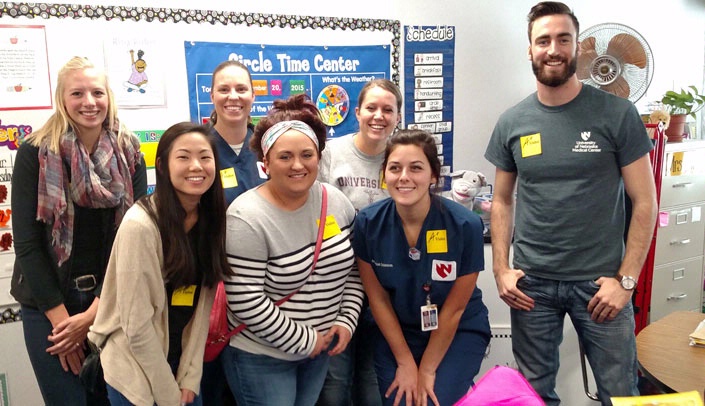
586,55
619,87
588,44
585,59
627,49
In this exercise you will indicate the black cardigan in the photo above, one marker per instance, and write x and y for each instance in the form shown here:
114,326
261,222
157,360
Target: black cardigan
37,280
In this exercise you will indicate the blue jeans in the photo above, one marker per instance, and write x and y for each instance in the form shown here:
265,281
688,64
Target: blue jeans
536,335
260,380
118,399
351,374
57,386
455,373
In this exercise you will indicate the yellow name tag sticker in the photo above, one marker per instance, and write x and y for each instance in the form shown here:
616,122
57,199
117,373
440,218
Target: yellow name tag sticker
228,178
183,296
530,145
383,184
331,227
436,242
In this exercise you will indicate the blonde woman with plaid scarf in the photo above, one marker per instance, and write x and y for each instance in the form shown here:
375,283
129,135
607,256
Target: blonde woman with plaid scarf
73,180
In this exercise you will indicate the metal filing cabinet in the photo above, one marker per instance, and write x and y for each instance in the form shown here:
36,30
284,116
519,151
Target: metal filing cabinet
680,243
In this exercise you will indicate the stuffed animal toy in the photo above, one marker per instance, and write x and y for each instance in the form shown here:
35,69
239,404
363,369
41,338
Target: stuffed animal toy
660,116
657,117
464,186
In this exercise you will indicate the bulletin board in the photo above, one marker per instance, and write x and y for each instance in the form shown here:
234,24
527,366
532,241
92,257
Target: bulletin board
332,76
105,34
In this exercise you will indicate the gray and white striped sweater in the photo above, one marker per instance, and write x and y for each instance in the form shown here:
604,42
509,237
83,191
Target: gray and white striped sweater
271,252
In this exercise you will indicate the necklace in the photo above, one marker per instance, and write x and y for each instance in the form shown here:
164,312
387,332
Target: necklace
414,254
411,232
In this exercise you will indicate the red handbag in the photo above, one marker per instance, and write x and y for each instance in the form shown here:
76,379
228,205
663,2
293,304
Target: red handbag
218,334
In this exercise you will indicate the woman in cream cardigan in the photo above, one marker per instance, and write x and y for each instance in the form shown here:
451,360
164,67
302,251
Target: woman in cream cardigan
160,283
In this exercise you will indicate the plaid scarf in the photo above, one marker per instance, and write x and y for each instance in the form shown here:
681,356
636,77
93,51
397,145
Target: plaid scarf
102,179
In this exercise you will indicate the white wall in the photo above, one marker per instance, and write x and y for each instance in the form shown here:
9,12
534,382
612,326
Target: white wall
492,69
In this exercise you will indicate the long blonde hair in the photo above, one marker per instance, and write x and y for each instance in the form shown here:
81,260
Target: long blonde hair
59,123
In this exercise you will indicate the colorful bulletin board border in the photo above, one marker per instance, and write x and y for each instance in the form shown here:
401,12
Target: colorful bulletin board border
189,16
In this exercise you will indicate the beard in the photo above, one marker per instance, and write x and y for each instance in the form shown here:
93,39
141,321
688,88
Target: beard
557,79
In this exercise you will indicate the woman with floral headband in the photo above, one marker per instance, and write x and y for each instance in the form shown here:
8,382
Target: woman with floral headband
293,293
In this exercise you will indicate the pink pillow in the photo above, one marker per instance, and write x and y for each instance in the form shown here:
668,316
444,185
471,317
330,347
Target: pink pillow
501,386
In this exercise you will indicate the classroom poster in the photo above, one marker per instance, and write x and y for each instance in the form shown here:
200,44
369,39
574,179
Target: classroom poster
428,87
137,69
331,76
24,68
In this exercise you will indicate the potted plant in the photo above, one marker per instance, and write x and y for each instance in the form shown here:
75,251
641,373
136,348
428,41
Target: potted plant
680,105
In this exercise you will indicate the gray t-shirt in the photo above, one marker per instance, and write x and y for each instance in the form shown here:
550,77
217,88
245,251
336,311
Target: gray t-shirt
570,216
356,174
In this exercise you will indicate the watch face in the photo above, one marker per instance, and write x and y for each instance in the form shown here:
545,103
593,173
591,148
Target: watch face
628,282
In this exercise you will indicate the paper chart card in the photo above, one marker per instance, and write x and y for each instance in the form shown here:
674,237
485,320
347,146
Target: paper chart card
24,68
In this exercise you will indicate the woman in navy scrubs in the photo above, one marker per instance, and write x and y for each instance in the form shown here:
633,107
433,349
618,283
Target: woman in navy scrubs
419,256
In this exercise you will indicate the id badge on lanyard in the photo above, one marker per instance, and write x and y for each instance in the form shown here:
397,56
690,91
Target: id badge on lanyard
429,311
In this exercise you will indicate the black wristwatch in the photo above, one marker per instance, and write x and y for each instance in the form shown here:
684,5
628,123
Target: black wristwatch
627,282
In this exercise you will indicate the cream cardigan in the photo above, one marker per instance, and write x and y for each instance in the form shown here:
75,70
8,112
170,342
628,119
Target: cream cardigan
133,315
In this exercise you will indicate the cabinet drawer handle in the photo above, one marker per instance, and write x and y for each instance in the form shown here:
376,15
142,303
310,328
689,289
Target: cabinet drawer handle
681,242
682,184
677,297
